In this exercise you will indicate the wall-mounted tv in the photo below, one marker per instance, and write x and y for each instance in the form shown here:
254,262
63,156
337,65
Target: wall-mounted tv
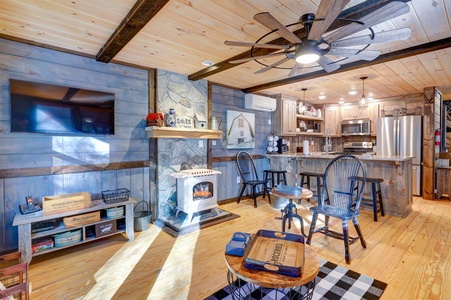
56,109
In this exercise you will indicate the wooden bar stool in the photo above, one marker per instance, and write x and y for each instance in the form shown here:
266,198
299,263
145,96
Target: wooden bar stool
275,176
305,180
376,195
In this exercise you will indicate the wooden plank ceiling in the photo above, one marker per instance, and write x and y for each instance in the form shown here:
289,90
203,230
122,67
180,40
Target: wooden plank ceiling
177,35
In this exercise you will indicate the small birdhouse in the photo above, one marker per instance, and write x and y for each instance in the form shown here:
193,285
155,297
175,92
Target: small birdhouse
200,121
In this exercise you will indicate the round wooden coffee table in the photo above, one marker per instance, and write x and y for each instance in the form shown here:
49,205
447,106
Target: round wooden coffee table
262,281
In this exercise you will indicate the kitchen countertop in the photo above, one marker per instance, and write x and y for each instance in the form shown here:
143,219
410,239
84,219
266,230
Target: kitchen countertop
322,155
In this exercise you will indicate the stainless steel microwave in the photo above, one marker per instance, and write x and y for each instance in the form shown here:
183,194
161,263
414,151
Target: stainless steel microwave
356,127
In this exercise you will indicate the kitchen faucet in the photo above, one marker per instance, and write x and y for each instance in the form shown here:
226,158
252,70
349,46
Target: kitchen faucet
326,146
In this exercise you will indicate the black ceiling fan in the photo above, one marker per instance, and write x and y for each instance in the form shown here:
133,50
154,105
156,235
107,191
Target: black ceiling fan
326,50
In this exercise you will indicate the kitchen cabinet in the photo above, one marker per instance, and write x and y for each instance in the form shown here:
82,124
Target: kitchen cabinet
284,117
332,120
389,108
353,111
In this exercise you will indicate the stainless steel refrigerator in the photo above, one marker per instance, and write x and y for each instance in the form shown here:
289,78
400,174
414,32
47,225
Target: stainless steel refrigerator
402,136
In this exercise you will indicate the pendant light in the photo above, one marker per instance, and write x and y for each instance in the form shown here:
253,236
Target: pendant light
363,99
301,107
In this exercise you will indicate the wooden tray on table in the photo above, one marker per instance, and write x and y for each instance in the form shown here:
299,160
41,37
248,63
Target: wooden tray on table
277,252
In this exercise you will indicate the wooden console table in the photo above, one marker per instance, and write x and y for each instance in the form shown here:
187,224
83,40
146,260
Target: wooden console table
27,238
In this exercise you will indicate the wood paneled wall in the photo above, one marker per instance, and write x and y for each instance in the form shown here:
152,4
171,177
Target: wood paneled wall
23,150
223,99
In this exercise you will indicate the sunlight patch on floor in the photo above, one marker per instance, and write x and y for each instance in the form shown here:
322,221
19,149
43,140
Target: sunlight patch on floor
183,251
119,266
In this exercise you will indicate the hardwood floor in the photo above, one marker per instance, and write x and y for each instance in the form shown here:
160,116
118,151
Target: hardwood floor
412,255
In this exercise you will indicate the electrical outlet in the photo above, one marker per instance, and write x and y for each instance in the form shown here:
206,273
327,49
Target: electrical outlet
213,143
201,144
238,179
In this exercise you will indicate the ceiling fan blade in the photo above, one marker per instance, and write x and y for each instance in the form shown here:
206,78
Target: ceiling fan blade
380,37
343,51
295,70
368,54
327,10
272,66
385,13
243,60
256,45
327,64
267,20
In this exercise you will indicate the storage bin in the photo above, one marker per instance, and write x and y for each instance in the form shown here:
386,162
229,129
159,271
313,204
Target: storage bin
78,220
114,196
114,212
67,202
142,218
67,238
105,228
42,245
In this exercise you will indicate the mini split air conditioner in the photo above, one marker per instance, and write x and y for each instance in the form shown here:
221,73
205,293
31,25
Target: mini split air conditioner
257,102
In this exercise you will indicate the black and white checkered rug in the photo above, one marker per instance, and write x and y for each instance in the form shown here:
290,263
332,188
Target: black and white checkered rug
333,282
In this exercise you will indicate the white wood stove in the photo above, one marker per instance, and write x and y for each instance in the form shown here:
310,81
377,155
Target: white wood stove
196,191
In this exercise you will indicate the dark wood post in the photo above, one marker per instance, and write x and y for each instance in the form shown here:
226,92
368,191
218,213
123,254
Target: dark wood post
429,143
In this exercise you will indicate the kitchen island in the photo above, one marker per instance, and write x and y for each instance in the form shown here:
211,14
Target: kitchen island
396,172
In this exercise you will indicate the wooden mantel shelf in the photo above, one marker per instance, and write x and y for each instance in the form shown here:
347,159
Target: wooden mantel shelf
182,133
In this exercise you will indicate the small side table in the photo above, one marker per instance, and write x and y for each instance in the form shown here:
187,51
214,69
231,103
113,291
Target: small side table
260,281
290,211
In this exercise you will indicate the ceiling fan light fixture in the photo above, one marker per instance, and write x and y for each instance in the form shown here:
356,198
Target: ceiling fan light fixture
307,53
307,58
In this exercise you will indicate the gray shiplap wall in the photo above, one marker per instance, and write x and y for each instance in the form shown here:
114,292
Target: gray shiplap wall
224,99
23,150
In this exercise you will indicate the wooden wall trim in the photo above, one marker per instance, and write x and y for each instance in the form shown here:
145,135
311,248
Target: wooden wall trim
209,115
233,158
57,170
428,144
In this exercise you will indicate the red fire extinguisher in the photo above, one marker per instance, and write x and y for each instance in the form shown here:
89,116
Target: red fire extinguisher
437,137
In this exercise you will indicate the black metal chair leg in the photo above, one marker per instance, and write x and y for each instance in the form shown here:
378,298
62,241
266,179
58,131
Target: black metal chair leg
359,232
254,194
381,203
346,240
312,228
243,187
373,193
265,189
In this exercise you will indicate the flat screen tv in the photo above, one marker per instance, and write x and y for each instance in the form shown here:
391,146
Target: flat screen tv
48,108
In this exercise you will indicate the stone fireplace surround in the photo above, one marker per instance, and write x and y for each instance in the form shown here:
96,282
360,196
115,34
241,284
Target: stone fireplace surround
185,97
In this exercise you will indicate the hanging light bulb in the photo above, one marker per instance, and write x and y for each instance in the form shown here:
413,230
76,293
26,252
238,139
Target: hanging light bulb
363,99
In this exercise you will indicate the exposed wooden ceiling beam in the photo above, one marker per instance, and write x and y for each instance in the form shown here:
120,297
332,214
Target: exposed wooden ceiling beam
356,12
141,13
416,50
69,94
